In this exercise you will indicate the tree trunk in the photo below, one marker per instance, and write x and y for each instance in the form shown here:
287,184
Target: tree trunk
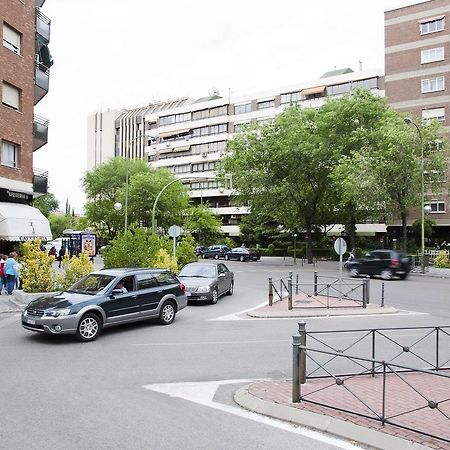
404,217
352,232
309,252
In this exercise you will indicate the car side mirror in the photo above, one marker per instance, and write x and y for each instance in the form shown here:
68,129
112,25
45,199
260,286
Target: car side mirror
116,292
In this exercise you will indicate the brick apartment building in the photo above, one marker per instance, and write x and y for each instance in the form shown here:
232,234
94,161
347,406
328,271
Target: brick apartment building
24,78
417,78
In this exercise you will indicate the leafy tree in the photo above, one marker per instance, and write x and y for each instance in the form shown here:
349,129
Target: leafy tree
59,223
203,224
47,203
428,227
258,228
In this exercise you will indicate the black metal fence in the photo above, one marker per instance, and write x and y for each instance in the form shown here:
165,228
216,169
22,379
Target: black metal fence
389,354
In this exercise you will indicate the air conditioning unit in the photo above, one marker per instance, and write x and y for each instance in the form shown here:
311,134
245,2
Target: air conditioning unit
204,154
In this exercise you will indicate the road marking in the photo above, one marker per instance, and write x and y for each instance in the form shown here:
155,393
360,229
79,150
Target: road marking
161,344
203,393
234,316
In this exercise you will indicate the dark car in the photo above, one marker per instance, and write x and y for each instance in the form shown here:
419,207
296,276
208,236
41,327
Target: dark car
105,298
199,250
242,254
384,263
215,251
207,281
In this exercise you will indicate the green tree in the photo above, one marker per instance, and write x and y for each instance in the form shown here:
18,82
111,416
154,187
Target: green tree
203,224
259,228
47,203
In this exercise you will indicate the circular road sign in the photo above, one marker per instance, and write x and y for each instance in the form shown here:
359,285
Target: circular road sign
340,246
174,231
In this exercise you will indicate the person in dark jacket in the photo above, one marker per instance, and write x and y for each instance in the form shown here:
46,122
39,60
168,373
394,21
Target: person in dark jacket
62,252
53,252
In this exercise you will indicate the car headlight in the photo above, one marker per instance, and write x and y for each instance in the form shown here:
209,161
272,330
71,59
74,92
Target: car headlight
57,312
203,289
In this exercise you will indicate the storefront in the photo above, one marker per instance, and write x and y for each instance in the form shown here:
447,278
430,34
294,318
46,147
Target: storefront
19,221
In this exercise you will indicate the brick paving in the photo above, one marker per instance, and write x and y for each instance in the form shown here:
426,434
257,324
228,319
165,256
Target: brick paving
404,405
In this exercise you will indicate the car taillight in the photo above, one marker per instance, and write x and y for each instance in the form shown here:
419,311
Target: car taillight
182,287
395,262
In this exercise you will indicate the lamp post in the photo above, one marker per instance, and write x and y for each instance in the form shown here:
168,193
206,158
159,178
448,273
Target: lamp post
295,248
408,120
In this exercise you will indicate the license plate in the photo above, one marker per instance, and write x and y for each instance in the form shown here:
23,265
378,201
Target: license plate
31,322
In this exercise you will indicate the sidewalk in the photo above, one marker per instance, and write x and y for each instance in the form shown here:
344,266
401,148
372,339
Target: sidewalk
404,405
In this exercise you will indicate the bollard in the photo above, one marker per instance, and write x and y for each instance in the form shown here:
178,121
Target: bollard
295,369
290,292
302,352
368,289
382,295
364,293
270,291
296,284
315,283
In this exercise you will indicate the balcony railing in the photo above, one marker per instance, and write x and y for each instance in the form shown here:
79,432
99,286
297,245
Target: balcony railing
41,82
43,25
40,181
40,132
39,3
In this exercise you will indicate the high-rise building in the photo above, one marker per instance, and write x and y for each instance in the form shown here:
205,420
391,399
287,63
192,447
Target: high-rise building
188,136
417,78
24,77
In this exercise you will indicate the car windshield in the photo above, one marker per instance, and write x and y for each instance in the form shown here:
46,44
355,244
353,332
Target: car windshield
91,284
206,271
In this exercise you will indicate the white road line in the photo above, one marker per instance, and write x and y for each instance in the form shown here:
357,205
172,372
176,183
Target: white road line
203,393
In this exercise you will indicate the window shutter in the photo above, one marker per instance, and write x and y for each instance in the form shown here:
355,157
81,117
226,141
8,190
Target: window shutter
11,35
11,96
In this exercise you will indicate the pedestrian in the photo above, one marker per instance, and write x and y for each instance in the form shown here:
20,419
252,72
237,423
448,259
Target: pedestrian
53,252
62,252
2,273
10,271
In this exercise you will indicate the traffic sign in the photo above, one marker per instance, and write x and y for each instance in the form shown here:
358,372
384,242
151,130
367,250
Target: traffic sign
340,246
174,231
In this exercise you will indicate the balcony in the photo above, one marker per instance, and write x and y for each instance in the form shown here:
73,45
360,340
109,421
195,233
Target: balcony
40,132
40,182
41,82
43,25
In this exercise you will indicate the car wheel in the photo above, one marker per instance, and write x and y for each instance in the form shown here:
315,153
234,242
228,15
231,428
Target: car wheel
216,256
404,276
227,257
204,256
89,328
230,291
354,272
215,296
167,313
386,274
241,259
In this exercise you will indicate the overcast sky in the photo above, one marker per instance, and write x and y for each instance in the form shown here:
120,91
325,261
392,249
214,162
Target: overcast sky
122,54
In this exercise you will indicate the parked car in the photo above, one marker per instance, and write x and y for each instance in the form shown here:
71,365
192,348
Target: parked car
105,298
384,263
215,251
199,250
242,254
207,281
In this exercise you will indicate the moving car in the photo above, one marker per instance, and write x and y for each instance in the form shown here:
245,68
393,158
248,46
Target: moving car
215,251
384,263
242,254
105,298
207,281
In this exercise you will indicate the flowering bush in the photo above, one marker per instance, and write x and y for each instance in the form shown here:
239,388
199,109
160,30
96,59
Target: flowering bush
163,260
75,268
442,261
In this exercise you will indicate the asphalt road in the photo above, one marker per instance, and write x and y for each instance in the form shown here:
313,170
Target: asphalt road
153,387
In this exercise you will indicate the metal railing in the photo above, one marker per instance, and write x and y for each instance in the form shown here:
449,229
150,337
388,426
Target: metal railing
276,288
330,363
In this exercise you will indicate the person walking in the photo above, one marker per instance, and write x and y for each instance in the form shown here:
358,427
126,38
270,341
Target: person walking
2,273
62,252
11,273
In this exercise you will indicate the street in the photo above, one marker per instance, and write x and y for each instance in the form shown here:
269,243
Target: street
148,386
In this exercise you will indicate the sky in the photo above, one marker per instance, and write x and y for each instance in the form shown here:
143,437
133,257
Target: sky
114,54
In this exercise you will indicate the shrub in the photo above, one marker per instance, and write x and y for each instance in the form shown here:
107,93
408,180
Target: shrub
442,261
229,242
75,268
36,273
163,260
186,251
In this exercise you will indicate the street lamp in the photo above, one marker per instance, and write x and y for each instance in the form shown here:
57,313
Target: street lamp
409,121
295,248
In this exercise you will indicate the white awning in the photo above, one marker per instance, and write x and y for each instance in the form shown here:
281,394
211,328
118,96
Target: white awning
23,223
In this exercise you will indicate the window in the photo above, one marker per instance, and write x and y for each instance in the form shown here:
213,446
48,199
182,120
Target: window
241,109
436,206
206,131
11,96
213,112
432,55
344,88
128,283
238,127
266,104
432,26
12,39
292,97
166,278
211,147
10,154
174,118
203,167
434,113
433,85
184,168
146,281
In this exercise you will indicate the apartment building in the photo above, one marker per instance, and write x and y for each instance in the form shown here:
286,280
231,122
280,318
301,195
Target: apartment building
189,136
417,78
24,77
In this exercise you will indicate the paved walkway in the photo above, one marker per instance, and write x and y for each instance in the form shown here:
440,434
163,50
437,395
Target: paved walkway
407,398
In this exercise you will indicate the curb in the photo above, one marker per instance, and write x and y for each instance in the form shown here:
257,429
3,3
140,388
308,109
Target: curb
327,424
322,312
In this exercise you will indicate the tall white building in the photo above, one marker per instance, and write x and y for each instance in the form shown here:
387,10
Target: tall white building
188,136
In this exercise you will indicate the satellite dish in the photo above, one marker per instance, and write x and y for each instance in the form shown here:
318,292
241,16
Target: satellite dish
214,91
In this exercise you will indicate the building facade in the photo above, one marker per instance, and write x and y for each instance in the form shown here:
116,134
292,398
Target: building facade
417,78
24,77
